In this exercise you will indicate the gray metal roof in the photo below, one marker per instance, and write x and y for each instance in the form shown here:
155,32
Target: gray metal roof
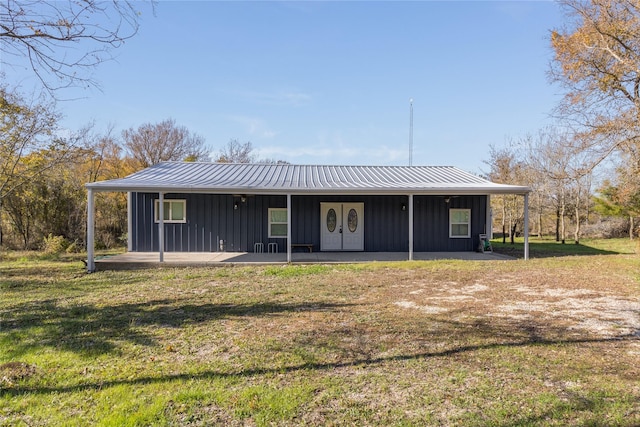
254,178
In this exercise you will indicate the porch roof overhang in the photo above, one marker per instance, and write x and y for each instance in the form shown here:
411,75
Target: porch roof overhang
246,179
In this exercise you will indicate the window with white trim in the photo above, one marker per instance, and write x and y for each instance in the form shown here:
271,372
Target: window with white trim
174,210
277,222
459,223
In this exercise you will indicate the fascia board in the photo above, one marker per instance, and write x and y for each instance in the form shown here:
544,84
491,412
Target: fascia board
436,190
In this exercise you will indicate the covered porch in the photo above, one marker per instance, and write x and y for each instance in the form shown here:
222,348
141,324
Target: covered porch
133,260
402,199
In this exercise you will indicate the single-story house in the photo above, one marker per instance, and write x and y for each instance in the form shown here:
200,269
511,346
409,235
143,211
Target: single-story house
207,207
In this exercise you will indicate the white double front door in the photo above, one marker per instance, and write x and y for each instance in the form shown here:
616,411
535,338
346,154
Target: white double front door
341,226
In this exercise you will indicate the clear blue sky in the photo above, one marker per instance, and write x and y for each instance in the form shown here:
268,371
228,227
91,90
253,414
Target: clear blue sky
330,82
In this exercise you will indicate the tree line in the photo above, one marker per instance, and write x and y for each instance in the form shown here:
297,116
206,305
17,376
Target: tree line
597,64
43,167
568,191
43,170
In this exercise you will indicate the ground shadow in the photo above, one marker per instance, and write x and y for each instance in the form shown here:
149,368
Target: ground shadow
447,338
92,329
549,250
248,373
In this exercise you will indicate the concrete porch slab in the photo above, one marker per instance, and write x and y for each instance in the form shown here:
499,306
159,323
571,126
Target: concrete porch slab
132,260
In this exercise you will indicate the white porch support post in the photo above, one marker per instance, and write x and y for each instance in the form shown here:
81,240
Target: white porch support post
288,228
410,227
129,222
161,225
489,224
526,226
91,219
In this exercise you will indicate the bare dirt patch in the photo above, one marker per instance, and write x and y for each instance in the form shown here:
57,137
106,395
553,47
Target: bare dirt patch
579,306
13,372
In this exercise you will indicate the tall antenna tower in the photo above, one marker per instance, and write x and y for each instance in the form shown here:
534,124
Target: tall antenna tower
410,131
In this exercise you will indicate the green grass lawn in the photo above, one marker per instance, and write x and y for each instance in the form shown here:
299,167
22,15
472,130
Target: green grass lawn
551,341
548,247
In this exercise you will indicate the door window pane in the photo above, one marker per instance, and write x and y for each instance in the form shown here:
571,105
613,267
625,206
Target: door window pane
332,220
352,220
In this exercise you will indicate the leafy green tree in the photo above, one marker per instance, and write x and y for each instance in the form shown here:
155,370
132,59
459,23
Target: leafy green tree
49,204
26,128
621,198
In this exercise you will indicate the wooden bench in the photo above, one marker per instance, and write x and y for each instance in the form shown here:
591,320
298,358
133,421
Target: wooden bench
303,245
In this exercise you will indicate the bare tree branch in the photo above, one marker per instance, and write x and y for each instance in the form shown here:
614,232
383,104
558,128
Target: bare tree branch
165,141
236,152
63,40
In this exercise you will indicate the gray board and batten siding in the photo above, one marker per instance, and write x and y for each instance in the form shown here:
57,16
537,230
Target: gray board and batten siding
211,218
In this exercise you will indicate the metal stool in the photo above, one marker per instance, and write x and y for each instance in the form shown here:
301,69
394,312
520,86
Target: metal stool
272,247
258,247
